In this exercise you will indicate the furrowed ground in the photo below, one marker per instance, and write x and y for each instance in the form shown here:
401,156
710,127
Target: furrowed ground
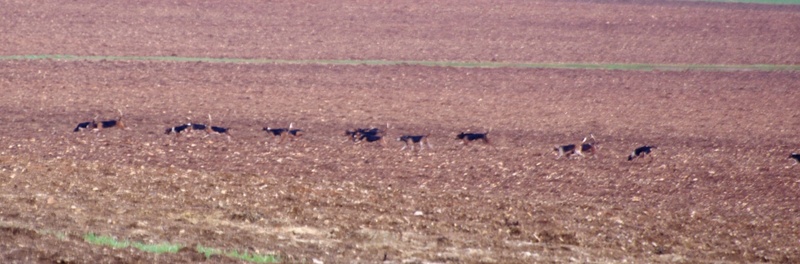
718,188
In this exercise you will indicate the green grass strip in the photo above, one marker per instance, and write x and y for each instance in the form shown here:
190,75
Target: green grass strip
173,248
252,257
105,241
115,243
458,64
157,248
256,258
208,251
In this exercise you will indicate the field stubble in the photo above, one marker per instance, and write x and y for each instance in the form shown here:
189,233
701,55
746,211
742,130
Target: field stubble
718,187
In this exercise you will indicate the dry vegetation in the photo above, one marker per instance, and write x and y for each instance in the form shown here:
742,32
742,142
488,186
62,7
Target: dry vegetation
720,187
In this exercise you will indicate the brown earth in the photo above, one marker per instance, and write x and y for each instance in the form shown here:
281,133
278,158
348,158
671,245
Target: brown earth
718,189
508,31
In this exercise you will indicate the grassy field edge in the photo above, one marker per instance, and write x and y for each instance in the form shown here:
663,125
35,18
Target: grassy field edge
457,64
152,248
165,247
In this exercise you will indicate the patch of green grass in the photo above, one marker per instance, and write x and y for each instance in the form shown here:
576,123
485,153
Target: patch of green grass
105,241
115,243
458,64
157,248
252,257
208,251
173,248
256,258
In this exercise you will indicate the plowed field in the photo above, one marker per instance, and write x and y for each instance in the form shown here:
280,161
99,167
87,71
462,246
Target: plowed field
719,187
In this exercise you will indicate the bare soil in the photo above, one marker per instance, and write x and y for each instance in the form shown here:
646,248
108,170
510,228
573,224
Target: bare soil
718,189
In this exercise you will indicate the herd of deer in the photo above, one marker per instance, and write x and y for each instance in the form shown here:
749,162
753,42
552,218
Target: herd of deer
589,145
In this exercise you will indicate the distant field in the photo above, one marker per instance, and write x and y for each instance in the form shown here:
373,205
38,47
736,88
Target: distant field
777,2
565,65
